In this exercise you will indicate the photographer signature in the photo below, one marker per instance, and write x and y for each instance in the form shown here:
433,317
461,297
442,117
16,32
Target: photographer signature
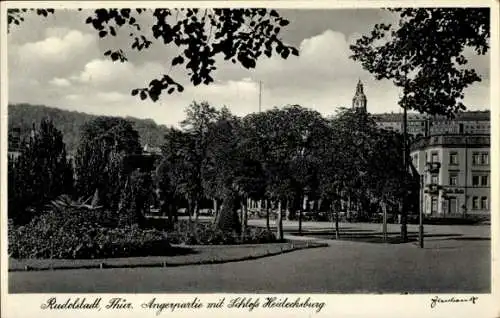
437,300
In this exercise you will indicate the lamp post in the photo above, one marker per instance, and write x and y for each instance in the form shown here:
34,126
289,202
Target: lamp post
421,214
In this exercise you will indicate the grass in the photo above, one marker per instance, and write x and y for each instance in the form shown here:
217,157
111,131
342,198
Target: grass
194,255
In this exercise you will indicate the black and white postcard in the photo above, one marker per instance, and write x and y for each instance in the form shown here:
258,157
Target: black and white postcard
287,158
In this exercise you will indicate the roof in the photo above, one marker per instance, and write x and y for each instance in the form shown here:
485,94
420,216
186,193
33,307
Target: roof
472,115
456,141
461,116
397,117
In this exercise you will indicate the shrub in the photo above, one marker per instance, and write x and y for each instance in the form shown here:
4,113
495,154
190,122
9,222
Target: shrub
80,234
204,233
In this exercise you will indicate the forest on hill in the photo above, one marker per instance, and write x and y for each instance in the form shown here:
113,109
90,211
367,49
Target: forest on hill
69,122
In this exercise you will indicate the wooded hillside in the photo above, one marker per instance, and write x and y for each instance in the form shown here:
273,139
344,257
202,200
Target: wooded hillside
69,122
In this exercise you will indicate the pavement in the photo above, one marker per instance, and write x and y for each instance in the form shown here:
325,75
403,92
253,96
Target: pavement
455,259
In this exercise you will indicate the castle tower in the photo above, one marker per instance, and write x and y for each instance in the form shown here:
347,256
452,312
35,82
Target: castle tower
359,99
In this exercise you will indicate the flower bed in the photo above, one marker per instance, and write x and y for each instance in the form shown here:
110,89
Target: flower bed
204,233
79,234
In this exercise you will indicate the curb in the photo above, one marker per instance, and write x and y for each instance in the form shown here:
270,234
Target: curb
104,265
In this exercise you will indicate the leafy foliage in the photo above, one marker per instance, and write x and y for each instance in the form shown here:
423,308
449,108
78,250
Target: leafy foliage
362,161
210,234
77,233
40,173
136,197
104,143
200,35
424,55
16,16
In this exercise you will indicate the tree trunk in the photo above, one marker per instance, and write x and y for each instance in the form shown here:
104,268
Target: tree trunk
175,211
268,207
300,222
279,222
190,210
196,213
216,209
337,230
244,216
402,211
228,220
349,217
383,205
171,212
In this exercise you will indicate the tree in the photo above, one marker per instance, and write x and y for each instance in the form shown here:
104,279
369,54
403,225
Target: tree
283,141
231,174
199,116
179,167
40,173
105,141
388,180
136,196
222,171
424,56
201,35
360,163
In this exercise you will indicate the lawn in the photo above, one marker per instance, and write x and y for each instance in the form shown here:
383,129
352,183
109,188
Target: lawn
186,255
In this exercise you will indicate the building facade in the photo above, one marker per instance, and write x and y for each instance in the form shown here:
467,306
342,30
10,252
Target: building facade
451,156
465,123
455,172
420,125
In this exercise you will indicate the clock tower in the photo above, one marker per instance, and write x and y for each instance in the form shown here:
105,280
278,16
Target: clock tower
359,99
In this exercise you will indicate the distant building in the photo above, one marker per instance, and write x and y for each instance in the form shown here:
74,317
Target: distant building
464,123
14,143
460,183
149,150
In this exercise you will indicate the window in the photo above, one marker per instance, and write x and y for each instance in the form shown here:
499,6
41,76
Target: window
434,205
475,181
480,158
484,180
434,179
475,158
415,160
453,158
475,203
484,158
453,180
434,157
484,203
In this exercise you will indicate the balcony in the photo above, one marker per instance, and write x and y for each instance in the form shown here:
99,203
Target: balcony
433,167
432,188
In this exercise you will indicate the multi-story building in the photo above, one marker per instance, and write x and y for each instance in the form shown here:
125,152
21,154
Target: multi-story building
471,122
452,156
456,174
419,125
14,143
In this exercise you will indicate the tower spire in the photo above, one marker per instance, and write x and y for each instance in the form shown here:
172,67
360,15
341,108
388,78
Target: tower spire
359,99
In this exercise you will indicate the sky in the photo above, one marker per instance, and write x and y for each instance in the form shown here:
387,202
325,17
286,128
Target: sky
58,61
